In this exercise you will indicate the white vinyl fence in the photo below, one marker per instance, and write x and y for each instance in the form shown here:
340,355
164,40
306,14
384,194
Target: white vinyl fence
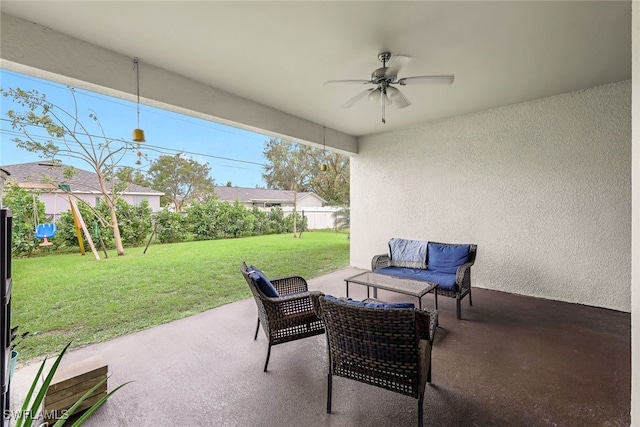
318,218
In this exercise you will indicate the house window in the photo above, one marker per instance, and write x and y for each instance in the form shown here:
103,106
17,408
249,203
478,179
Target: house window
98,201
137,200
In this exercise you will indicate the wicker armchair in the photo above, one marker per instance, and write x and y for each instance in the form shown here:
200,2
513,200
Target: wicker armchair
385,347
287,317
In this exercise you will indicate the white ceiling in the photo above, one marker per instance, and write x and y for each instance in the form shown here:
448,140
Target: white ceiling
280,53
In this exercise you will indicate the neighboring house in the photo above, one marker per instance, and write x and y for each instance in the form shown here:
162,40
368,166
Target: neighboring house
319,216
3,177
43,178
266,198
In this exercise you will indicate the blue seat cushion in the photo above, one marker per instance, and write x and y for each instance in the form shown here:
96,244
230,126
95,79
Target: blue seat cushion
371,304
263,282
446,258
444,280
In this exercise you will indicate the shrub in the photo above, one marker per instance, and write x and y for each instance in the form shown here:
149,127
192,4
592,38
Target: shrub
21,202
172,227
260,221
276,221
300,225
67,236
234,220
342,218
201,220
135,221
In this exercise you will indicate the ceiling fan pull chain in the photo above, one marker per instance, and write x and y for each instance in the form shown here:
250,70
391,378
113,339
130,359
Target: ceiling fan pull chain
383,102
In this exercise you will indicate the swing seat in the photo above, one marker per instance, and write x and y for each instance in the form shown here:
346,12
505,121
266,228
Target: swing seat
45,231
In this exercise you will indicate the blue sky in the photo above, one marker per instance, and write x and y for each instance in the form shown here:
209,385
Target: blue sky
233,154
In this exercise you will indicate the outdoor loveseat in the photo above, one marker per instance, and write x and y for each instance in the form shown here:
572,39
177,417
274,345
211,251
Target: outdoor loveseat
446,264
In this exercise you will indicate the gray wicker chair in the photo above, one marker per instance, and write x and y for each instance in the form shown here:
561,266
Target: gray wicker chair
288,317
385,347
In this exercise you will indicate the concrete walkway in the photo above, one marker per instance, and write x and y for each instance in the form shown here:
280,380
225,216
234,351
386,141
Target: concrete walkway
511,361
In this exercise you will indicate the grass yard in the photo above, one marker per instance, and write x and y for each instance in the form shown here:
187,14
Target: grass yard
62,298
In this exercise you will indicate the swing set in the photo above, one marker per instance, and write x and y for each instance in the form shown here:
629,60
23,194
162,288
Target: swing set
44,231
47,231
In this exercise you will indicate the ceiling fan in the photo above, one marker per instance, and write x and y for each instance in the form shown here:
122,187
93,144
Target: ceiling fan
384,78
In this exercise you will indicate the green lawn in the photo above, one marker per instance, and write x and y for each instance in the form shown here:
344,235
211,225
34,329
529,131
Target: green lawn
60,298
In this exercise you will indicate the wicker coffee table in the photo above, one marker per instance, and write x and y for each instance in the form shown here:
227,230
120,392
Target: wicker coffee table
415,288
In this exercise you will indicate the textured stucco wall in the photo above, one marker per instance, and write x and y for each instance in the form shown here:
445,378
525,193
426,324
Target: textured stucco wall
543,188
635,251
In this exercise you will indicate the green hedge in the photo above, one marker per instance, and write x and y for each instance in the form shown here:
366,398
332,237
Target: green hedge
25,220
201,221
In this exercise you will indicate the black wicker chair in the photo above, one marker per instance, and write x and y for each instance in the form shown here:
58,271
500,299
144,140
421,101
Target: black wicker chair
385,347
287,317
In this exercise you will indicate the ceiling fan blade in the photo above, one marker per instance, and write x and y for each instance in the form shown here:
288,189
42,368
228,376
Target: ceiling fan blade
438,80
443,80
357,98
396,62
364,82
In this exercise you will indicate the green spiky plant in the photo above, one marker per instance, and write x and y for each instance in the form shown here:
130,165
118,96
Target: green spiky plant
28,415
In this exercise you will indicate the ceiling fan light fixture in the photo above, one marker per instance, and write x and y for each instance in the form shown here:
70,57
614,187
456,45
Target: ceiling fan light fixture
393,93
374,96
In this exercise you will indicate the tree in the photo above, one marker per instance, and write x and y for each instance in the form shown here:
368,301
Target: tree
183,180
66,136
128,175
296,167
289,167
333,183
342,218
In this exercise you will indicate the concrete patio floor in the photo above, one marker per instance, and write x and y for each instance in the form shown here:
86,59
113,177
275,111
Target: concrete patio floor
511,361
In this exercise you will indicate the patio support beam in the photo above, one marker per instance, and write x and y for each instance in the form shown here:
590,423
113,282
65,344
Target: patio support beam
42,52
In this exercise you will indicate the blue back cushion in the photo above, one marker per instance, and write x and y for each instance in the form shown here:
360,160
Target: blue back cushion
263,283
371,304
445,258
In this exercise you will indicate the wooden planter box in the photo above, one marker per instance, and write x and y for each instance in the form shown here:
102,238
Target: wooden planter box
71,382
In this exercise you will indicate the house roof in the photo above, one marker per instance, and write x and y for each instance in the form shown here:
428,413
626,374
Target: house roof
45,175
261,195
